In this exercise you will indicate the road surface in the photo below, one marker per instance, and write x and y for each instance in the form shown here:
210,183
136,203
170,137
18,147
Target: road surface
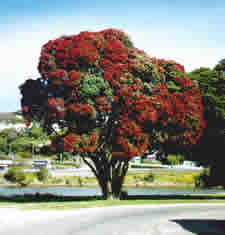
86,172
125,220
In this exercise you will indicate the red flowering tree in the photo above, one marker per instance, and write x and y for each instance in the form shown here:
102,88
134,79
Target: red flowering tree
111,102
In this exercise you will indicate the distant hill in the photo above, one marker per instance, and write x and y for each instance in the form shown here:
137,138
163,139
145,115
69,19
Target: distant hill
9,117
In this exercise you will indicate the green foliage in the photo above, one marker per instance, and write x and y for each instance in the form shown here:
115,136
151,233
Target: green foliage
24,141
80,181
4,157
137,179
7,136
9,133
56,180
175,160
212,90
220,66
149,177
210,148
18,176
43,174
92,86
27,155
3,144
68,181
172,86
203,179
146,161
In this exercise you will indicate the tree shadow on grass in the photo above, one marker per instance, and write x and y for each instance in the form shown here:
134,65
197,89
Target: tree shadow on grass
202,226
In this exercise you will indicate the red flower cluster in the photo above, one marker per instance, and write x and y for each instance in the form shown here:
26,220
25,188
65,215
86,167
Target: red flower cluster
55,107
81,143
131,137
73,79
89,142
149,93
103,105
58,76
81,109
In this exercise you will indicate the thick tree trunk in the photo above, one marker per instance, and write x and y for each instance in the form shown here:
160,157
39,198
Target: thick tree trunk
110,175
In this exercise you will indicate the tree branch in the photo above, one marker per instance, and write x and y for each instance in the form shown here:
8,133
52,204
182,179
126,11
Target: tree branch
92,168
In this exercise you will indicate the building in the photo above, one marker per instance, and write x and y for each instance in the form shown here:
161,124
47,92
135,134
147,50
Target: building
39,163
5,164
189,164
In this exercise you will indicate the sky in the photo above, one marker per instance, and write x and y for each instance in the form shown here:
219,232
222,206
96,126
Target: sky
189,32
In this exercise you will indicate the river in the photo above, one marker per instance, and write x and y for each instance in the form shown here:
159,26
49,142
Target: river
84,191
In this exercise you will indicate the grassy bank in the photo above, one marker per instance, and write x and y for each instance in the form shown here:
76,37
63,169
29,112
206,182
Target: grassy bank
138,179
68,205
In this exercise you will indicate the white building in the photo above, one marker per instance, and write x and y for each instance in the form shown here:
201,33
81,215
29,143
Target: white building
39,163
5,164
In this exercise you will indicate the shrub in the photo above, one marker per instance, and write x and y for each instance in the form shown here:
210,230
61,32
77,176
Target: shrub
76,165
203,179
175,160
137,180
27,155
150,177
146,161
57,180
18,176
43,174
4,157
68,181
80,181
188,179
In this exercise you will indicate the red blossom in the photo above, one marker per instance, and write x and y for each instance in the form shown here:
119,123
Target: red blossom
140,87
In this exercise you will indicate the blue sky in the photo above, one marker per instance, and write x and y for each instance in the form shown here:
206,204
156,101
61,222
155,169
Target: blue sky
190,32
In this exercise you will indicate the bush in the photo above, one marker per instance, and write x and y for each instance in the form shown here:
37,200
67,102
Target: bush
18,176
150,177
68,181
137,179
76,165
80,181
43,174
27,155
57,180
203,179
4,157
147,161
175,160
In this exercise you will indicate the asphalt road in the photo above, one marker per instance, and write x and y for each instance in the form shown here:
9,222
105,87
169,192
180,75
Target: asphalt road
207,219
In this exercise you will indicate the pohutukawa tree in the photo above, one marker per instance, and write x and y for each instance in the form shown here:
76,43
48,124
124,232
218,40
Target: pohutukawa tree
111,102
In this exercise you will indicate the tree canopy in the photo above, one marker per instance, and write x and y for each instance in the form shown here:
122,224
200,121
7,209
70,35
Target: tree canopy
109,98
210,148
212,90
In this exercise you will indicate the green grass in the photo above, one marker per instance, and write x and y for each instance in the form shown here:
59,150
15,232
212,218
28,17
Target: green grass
164,177
99,203
139,178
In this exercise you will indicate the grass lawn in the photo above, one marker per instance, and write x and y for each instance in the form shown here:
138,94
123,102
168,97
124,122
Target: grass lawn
162,177
151,177
99,203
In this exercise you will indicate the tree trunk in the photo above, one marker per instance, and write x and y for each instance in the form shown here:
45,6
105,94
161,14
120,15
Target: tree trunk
110,175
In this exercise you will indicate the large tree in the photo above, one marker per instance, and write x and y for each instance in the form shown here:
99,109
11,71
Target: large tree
109,101
210,149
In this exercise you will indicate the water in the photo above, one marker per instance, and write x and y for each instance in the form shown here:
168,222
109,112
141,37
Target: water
71,191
